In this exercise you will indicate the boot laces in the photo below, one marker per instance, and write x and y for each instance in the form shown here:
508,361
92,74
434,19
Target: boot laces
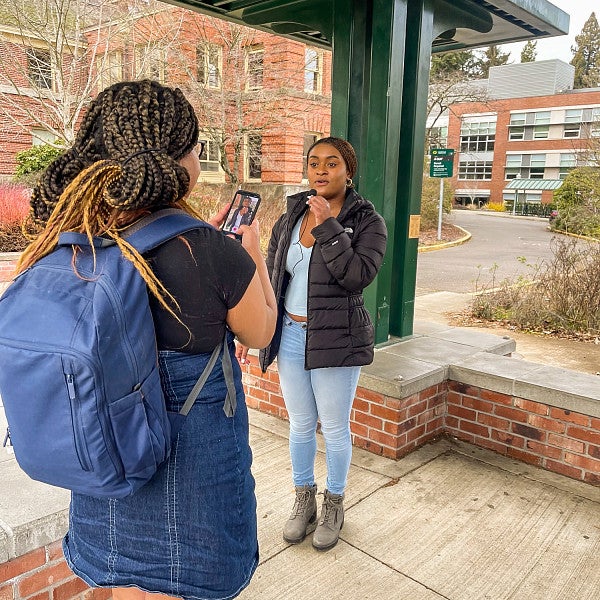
301,503
331,511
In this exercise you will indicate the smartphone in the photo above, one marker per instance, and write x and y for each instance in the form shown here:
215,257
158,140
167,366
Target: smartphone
242,211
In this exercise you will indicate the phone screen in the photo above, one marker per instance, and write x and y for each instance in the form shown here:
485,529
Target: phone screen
242,212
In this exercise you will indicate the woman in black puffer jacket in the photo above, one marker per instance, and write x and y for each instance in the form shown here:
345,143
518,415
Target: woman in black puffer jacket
326,248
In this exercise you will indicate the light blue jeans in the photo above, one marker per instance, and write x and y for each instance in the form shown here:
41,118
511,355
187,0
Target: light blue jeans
318,394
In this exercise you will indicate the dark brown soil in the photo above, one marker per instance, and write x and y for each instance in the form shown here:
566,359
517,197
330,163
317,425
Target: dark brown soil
450,233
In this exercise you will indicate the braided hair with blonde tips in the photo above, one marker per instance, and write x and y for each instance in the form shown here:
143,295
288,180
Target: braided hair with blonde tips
121,123
124,163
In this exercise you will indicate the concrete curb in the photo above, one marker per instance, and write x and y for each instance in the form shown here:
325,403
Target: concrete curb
441,246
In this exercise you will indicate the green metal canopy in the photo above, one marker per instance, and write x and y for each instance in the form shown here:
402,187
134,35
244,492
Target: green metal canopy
312,21
381,56
534,184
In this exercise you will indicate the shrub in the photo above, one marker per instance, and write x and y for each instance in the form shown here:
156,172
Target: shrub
14,207
560,296
496,206
34,160
578,203
14,204
430,202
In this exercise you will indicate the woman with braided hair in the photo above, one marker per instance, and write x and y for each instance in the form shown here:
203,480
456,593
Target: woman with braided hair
191,531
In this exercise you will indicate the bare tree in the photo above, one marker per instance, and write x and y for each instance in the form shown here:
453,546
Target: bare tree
63,52
238,98
442,95
68,50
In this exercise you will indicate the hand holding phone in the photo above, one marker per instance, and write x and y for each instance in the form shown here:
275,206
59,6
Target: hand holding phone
242,212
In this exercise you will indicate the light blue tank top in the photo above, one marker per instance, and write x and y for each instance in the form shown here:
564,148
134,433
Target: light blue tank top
298,258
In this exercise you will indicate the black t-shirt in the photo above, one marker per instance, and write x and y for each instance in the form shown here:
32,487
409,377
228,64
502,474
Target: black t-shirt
207,273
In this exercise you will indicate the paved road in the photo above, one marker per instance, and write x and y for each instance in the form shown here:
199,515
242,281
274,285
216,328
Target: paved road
496,240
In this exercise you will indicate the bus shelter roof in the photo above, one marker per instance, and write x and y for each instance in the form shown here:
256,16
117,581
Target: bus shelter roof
311,21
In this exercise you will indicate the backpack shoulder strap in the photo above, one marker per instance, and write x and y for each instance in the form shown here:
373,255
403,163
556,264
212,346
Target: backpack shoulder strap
155,229
144,235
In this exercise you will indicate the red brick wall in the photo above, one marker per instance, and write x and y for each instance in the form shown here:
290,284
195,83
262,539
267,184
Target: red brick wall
557,440
381,424
43,574
554,439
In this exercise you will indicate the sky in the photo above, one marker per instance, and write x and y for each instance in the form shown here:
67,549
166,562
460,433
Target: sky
559,47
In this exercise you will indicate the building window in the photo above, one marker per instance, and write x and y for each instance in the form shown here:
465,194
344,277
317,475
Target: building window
567,163
477,136
309,140
572,130
572,127
516,133
254,67
475,170
573,115
542,118
254,156
150,62
513,166
209,59
110,69
438,136
39,68
537,166
518,119
313,76
209,158
540,132
41,137
595,124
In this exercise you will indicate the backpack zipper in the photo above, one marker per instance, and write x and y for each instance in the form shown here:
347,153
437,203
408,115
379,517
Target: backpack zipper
80,445
110,443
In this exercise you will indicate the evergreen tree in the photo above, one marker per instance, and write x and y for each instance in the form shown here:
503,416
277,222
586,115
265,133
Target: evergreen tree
586,55
491,57
452,65
529,52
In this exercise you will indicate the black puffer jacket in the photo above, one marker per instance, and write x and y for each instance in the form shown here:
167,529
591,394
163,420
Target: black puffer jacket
346,257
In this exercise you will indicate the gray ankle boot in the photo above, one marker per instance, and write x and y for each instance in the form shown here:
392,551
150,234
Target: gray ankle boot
332,519
303,519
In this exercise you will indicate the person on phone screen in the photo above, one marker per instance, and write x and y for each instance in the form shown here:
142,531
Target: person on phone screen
242,215
323,252
191,530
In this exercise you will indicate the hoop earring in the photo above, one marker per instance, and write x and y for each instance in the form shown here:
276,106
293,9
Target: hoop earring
349,183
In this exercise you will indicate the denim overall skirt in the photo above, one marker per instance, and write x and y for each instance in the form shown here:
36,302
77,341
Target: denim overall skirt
191,531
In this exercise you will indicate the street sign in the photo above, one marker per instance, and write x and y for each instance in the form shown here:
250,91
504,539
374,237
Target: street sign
442,161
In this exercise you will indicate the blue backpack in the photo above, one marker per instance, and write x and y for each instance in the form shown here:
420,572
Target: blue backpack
79,375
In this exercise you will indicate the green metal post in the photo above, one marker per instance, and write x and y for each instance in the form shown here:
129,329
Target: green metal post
368,59
419,37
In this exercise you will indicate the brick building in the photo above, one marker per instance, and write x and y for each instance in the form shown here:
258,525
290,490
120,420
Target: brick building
261,99
522,140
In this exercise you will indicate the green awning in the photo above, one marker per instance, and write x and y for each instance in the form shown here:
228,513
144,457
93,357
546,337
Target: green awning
533,184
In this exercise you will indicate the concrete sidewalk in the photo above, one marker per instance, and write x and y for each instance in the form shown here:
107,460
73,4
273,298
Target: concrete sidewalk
438,307
449,521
